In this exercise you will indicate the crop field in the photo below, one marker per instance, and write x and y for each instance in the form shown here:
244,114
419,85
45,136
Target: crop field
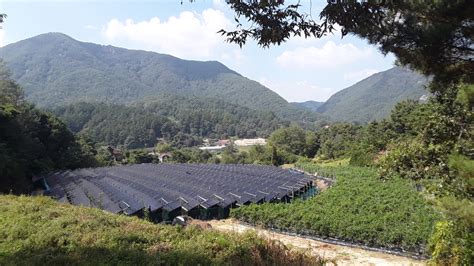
358,208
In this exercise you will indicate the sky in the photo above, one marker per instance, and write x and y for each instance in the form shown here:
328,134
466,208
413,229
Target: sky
299,70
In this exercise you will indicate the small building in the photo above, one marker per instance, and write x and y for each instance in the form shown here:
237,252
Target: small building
250,142
212,148
223,142
165,157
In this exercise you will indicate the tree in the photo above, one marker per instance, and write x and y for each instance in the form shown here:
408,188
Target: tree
291,139
33,142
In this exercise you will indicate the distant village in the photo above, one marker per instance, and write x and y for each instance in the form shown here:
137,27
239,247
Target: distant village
210,145
218,145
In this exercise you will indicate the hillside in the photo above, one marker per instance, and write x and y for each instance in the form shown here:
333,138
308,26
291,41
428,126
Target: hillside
308,105
374,97
55,69
170,117
38,230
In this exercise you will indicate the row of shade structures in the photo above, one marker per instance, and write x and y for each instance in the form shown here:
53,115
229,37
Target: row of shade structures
163,191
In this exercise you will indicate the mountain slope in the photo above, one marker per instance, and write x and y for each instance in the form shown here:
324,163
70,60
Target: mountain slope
171,117
55,69
374,97
308,105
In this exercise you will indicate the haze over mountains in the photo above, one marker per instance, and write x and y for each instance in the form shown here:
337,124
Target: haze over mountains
56,70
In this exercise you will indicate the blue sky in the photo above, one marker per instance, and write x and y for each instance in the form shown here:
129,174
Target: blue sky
299,70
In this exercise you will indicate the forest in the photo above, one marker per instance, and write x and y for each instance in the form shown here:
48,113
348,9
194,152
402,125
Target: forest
178,119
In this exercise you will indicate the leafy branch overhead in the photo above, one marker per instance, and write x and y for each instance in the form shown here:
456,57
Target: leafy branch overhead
434,37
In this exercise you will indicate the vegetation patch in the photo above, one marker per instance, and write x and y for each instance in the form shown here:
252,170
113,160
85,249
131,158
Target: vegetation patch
38,231
359,208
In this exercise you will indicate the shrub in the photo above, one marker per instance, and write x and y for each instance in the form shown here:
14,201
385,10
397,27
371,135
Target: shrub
413,160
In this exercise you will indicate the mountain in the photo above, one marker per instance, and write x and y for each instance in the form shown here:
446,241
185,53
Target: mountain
55,69
177,119
374,97
308,105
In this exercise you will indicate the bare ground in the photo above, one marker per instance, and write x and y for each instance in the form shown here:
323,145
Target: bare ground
341,254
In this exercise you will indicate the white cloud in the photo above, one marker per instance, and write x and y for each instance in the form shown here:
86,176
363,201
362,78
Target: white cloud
298,91
356,76
190,35
329,55
2,37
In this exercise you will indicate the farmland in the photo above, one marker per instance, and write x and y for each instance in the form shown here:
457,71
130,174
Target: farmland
359,208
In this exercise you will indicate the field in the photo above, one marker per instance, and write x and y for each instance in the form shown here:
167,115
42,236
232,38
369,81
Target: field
359,208
39,231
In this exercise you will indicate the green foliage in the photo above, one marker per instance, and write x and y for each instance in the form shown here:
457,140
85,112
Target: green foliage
67,71
445,250
192,155
308,105
140,156
162,147
180,120
407,117
452,241
362,155
291,139
462,167
411,159
359,208
33,142
374,97
336,140
38,230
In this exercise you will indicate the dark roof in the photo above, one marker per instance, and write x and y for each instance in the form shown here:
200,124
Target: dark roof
129,189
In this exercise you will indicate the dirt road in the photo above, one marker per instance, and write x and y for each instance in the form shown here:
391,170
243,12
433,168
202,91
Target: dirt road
341,254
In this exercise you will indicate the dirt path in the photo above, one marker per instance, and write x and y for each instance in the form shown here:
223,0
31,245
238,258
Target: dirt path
342,254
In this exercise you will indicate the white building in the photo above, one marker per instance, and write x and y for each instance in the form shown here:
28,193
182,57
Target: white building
250,142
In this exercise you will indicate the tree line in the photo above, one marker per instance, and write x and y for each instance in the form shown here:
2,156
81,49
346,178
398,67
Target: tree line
181,120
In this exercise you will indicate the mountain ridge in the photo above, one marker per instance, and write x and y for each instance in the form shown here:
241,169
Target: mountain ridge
56,69
308,105
374,97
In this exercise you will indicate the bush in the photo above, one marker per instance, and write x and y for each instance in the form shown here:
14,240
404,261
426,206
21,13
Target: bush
362,155
453,241
414,160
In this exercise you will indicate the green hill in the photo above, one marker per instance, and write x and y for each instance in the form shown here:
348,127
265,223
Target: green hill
40,231
374,97
171,117
55,69
308,105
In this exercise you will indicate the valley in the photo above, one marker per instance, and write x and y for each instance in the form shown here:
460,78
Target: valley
237,133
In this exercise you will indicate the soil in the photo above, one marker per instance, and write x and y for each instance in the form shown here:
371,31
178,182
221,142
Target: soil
342,255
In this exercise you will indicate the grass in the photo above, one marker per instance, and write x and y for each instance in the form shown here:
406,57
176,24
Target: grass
359,208
39,231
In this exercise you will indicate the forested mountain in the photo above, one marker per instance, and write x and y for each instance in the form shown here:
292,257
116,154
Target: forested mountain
374,97
308,105
55,69
175,118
